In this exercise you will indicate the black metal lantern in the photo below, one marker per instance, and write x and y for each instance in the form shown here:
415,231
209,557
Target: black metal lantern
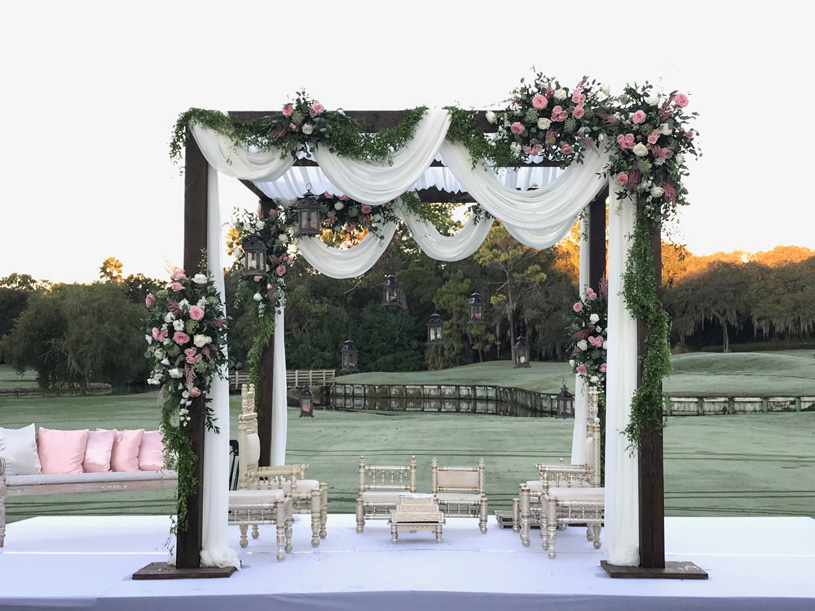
521,353
254,257
350,357
308,214
391,295
564,403
435,330
476,310
306,402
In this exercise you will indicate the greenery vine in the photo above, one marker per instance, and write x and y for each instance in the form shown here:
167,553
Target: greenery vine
639,290
264,329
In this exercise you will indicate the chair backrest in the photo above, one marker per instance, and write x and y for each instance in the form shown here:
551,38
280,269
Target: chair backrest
248,438
387,478
457,479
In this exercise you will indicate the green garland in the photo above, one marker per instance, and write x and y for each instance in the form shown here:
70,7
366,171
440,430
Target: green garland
264,328
179,444
639,290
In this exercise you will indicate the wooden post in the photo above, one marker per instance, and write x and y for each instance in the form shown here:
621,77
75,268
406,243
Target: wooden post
597,238
264,392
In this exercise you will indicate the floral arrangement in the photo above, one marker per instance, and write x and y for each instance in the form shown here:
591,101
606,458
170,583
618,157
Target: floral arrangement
186,345
653,141
345,216
545,119
588,340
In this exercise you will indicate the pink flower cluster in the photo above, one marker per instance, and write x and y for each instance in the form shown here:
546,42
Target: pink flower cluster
160,334
558,114
196,313
180,338
578,307
316,109
626,141
192,355
596,341
591,294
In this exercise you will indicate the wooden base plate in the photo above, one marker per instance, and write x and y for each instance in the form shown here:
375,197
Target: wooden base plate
162,570
672,570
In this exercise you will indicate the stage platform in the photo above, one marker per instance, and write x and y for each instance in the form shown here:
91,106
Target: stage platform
87,563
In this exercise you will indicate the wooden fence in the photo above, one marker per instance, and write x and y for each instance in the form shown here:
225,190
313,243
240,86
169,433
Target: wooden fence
294,379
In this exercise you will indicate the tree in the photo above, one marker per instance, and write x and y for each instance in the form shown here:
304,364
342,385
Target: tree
111,270
782,299
23,282
77,334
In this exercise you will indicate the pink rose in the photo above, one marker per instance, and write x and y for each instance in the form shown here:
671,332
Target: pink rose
603,367
192,360
590,293
578,307
328,195
218,323
681,100
629,140
581,369
689,134
596,341
194,392
351,227
162,335
180,338
528,150
622,177
178,275
257,278
316,109
156,334
288,109
517,128
175,286
579,97
537,149
149,300
292,127
281,269
366,209
638,117
539,101
578,112
190,352
196,313
344,198
566,149
653,137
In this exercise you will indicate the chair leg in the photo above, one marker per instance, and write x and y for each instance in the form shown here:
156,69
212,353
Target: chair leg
551,526
360,516
323,509
2,512
255,531
280,523
482,521
544,523
523,502
516,516
596,535
316,511
244,539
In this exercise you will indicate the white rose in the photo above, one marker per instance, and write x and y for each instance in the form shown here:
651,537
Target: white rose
259,225
571,363
594,318
659,161
178,325
657,191
176,373
308,129
544,123
183,304
339,206
665,129
202,302
199,279
653,100
583,344
594,379
159,353
640,150
201,340
149,339
170,317
516,148
605,89
257,297
605,345
491,118
283,238
680,159
560,94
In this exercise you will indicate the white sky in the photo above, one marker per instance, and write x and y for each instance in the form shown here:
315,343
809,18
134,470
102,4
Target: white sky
91,91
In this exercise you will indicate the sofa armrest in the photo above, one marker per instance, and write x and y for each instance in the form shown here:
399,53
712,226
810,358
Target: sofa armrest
2,467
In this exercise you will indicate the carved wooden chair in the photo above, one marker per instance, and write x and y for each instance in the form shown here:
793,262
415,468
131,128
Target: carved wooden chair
379,489
307,496
459,491
528,509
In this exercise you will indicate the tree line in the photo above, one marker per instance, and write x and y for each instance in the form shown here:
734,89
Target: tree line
73,335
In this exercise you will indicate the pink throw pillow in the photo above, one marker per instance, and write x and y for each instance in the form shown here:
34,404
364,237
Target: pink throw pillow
62,451
98,451
125,454
151,452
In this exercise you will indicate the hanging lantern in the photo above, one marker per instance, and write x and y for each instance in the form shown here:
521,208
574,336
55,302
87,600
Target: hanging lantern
435,330
308,214
476,310
254,257
350,357
391,295
564,403
521,353
306,402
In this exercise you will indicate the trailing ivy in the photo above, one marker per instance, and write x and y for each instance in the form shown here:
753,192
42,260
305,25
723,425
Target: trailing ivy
264,328
465,131
349,140
185,459
639,290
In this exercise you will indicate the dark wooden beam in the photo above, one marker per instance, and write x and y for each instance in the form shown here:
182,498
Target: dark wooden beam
651,472
264,393
597,238
196,170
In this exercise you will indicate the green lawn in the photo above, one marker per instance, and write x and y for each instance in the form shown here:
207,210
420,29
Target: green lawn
756,464
11,379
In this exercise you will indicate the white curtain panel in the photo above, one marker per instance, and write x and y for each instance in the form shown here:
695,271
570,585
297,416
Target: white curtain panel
581,391
215,551
622,498
280,420
375,183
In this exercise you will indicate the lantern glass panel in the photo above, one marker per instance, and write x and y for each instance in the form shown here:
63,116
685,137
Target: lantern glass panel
521,352
391,292
476,309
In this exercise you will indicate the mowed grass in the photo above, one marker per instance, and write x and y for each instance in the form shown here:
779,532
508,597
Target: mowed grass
11,379
756,464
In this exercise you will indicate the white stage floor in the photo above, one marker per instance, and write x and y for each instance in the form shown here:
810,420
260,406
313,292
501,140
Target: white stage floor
87,562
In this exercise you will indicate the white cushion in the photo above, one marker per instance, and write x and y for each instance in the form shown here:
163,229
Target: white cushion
90,478
577,494
456,497
462,480
255,497
376,496
535,485
19,449
589,449
304,486
252,449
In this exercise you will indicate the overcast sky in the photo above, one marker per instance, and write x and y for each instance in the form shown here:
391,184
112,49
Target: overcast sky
91,91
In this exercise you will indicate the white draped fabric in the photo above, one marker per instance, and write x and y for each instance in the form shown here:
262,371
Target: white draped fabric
346,262
622,499
581,389
279,403
215,551
238,162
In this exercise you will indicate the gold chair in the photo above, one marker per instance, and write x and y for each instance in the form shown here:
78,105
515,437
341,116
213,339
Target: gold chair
379,489
459,491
